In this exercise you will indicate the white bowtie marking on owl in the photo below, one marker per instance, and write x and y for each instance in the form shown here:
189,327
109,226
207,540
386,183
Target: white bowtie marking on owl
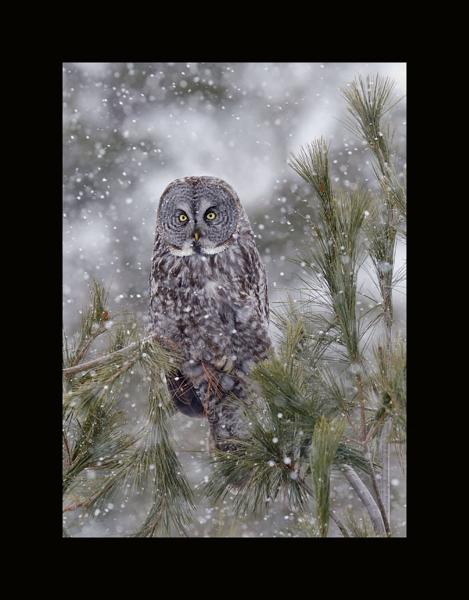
208,301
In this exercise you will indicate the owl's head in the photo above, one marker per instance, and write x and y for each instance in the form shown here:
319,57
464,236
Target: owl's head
198,215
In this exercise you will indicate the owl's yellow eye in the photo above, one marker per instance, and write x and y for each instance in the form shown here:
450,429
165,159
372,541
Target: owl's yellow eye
183,217
210,216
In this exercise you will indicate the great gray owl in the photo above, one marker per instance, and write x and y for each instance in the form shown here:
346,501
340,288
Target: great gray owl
208,300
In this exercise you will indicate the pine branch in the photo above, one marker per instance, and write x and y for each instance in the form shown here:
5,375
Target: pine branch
368,101
326,439
331,515
340,525
92,325
339,250
126,463
100,440
108,358
365,496
312,164
357,529
339,247
172,500
389,381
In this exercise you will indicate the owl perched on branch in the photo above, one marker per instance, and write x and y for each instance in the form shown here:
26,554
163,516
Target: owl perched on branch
208,300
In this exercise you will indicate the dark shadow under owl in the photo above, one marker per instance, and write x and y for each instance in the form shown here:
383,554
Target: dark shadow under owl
208,301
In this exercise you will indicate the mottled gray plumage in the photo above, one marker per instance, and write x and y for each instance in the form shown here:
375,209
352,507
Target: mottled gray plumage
208,299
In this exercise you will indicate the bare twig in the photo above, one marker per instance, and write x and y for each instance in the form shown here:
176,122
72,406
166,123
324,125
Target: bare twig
385,457
104,359
361,399
364,441
340,525
74,506
371,432
80,355
365,496
376,489
69,456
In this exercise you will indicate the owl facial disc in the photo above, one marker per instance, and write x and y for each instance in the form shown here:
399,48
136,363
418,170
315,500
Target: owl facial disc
198,215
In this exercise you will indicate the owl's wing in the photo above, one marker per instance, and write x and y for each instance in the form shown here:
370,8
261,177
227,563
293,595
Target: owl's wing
254,283
263,290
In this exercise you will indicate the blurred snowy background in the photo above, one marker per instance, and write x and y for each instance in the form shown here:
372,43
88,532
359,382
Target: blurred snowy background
131,128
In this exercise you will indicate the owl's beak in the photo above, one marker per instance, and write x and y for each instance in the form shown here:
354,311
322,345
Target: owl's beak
196,235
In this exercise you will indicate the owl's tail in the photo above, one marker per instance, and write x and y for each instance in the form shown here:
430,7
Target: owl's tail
224,399
226,423
217,395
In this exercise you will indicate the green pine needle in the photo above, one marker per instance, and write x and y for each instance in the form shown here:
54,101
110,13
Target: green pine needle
326,439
